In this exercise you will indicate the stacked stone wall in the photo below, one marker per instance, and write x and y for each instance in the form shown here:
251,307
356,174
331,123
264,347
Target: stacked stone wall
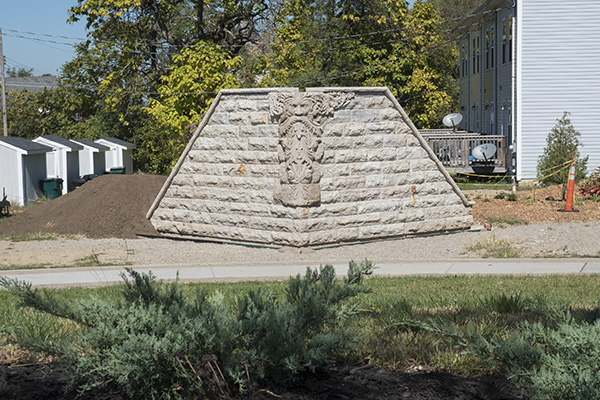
372,178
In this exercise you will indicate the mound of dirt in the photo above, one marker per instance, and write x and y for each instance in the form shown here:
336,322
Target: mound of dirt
110,206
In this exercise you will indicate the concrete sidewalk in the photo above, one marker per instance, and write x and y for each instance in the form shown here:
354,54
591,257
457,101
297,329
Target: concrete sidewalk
97,276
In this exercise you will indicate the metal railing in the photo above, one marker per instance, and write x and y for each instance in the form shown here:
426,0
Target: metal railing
454,148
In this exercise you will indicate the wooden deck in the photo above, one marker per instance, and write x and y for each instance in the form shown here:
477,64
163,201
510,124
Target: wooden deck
454,149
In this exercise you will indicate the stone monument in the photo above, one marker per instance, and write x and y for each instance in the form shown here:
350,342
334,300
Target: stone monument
287,168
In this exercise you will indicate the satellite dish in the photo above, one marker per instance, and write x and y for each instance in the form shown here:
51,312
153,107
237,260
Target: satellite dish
452,120
484,152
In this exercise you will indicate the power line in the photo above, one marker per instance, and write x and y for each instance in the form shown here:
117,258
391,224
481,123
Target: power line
19,34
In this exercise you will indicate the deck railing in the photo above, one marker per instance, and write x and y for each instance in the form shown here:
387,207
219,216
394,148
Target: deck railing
454,148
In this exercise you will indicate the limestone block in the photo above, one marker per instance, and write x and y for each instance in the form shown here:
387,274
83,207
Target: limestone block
343,235
220,118
380,231
259,118
263,144
235,144
377,102
333,129
366,168
346,196
226,105
349,182
390,114
358,220
378,205
246,105
332,210
382,154
220,131
319,224
337,143
330,170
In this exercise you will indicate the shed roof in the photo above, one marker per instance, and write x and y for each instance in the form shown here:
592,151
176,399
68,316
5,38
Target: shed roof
26,145
118,142
63,142
89,143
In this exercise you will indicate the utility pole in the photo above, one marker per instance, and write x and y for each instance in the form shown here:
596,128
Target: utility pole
4,119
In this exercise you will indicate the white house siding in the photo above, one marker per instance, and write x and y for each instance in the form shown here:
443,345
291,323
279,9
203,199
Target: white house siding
559,71
9,176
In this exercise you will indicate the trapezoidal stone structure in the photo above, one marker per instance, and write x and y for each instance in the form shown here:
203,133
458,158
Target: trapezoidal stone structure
282,167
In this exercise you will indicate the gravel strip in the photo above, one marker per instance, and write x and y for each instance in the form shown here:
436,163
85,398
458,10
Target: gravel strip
573,239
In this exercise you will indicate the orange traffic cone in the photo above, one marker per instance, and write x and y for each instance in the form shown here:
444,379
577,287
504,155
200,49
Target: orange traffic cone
570,190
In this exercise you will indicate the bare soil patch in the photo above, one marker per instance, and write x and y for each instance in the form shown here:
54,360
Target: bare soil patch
532,205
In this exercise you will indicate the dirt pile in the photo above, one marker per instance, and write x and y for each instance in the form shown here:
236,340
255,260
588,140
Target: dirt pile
110,206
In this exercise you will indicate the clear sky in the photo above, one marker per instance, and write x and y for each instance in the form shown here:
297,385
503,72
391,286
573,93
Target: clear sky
31,34
29,29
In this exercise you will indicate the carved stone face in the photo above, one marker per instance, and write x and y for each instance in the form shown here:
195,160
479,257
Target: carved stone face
300,149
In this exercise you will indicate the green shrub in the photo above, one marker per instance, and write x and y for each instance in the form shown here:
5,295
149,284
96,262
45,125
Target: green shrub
590,187
562,145
158,342
511,197
548,361
500,196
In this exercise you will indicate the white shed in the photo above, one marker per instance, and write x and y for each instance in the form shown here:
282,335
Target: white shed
63,161
92,159
120,154
22,166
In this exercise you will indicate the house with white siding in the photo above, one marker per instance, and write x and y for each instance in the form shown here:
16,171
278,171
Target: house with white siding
522,64
22,166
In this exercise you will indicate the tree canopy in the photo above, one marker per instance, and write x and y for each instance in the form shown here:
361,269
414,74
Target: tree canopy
149,69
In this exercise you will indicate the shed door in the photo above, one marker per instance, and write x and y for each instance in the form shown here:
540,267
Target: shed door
52,164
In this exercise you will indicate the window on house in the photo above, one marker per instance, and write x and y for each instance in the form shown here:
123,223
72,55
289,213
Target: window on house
510,22
492,48
478,55
474,58
503,41
487,49
463,63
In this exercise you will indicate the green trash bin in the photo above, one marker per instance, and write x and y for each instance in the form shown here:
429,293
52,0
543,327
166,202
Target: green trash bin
117,170
51,187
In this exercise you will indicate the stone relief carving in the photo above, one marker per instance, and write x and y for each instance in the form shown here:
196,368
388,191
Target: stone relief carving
300,149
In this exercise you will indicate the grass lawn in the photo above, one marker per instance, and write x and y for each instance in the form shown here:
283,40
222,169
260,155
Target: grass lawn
386,321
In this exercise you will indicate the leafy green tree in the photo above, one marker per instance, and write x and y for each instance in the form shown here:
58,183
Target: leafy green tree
562,145
379,43
186,93
19,73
